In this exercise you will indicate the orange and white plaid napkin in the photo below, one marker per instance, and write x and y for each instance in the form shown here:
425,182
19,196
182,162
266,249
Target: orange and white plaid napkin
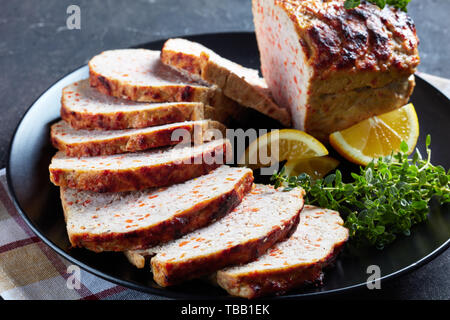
30,270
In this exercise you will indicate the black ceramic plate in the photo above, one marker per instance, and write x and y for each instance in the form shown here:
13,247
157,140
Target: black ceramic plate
38,200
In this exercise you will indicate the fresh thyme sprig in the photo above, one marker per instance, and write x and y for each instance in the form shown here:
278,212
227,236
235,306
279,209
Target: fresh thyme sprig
385,199
399,4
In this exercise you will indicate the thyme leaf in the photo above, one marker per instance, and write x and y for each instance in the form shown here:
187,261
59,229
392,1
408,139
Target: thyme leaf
384,200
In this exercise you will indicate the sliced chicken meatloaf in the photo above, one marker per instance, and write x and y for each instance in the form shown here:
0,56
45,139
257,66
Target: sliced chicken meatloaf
323,61
134,220
80,143
139,170
139,75
294,262
264,217
237,82
83,107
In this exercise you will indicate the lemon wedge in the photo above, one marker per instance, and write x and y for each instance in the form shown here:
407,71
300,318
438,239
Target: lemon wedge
280,145
316,168
378,136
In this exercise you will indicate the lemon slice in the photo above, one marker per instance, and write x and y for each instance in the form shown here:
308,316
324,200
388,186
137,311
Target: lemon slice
378,136
316,168
280,145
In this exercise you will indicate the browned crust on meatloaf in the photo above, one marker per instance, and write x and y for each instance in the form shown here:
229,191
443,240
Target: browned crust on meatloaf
276,282
133,142
232,85
174,272
200,215
133,118
142,177
364,38
167,93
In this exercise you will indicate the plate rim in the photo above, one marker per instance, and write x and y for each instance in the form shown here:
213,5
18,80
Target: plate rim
173,294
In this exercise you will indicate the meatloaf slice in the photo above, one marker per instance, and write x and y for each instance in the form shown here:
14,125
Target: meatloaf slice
264,217
80,143
293,262
86,108
311,49
139,170
139,75
238,83
133,220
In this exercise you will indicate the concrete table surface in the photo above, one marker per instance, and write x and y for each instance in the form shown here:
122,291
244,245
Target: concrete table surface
36,49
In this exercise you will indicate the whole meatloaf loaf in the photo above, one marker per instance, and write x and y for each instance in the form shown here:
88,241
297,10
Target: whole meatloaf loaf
139,170
334,67
294,262
135,220
264,217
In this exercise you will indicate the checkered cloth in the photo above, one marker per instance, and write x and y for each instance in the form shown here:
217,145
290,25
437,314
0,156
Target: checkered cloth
30,270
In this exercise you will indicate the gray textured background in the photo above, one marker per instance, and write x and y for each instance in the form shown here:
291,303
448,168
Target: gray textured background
36,49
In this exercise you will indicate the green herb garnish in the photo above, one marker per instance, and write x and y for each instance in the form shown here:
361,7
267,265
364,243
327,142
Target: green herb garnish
385,199
399,4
